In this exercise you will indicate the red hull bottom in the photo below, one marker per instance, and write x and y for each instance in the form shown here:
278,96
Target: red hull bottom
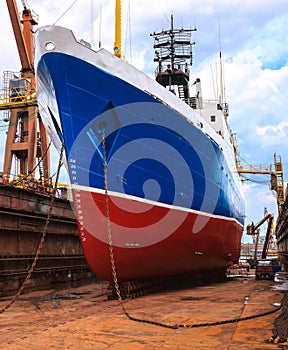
150,240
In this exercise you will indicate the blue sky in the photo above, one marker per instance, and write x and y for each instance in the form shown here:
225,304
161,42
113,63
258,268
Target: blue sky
254,45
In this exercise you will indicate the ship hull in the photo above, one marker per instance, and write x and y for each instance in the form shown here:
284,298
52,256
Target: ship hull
178,252
171,203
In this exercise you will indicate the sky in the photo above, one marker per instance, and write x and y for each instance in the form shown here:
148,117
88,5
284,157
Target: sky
254,44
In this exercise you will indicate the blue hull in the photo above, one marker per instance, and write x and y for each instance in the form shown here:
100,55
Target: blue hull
153,152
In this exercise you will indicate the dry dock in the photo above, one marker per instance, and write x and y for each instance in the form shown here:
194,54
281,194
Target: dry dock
23,215
83,318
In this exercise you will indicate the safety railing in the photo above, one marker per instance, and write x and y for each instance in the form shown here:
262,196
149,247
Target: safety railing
16,98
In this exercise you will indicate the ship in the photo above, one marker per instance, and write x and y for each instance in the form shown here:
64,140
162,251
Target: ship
152,167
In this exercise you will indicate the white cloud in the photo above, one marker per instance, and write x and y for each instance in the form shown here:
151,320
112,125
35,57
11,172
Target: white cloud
278,131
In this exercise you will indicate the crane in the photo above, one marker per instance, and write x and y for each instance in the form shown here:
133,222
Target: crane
254,230
24,39
27,138
277,177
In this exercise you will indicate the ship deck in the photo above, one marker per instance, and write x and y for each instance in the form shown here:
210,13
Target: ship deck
84,318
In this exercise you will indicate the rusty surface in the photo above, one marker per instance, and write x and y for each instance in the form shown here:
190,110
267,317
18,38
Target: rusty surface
17,199
23,215
80,318
22,218
282,232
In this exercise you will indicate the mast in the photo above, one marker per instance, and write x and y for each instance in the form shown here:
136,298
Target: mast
117,43
222,97
222,87
173,52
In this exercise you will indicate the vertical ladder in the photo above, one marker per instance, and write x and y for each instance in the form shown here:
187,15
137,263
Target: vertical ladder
181,92
40,159
279,180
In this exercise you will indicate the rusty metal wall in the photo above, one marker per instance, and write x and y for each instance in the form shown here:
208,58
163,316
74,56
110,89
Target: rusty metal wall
22,218
282,232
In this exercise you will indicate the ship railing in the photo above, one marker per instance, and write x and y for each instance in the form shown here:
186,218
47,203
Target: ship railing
44,186
220,105
196,103
179,68
255,168
191,101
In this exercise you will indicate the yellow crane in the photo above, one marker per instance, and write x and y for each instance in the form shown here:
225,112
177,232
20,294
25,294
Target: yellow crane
277,179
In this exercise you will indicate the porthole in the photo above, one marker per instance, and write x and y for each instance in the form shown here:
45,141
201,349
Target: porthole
49,46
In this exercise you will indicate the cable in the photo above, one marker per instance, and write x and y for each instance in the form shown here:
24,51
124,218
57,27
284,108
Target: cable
64,13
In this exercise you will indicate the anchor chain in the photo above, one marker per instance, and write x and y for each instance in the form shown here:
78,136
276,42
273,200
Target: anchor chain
42,240
280,331
108,224
115,277
112,258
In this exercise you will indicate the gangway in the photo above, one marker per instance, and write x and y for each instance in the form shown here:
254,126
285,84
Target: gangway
277,178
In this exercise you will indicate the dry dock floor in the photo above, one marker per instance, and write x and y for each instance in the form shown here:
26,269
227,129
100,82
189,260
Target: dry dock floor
81,319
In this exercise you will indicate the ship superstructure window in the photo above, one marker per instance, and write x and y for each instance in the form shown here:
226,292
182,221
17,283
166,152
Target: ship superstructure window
213,118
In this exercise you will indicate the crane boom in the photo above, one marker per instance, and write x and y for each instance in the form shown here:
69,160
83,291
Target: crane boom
24,40
252,229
